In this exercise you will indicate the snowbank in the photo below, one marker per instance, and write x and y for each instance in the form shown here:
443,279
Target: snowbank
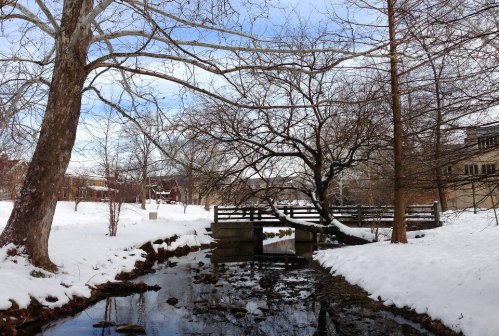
86,255
451,274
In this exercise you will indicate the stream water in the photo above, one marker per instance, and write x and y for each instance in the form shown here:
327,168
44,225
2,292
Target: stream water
230,291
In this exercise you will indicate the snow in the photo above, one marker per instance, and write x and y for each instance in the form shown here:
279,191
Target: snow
363,233
451,274
86,255
276,230
253,308
101,188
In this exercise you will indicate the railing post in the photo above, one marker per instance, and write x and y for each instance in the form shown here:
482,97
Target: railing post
252,214
436,214
259,214
285,210
291,212
215,213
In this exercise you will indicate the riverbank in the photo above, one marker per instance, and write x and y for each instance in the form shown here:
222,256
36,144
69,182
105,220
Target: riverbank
27,321
264,296
87,257
450,274
451,269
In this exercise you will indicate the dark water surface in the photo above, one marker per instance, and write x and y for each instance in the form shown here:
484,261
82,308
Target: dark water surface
230,291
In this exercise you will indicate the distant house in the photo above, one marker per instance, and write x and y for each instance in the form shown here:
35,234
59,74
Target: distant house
162,188
474,180
83,187
12,173
95,188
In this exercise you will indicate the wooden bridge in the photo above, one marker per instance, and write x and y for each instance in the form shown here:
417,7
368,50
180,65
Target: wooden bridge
241,222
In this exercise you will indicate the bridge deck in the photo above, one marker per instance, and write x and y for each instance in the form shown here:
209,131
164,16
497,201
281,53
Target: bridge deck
417,216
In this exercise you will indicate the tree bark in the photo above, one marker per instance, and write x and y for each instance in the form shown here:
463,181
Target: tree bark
399,234
190,183
143,192
438,143
30,222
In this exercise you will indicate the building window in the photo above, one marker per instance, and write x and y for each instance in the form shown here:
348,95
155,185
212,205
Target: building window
471,169
82,192
447,170
488,142
488,169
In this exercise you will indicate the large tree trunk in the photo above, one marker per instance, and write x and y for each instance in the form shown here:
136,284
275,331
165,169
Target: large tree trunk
438,143
438,161
30,222
399,234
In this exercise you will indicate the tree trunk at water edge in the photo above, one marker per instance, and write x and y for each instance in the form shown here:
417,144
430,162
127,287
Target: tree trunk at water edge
399,233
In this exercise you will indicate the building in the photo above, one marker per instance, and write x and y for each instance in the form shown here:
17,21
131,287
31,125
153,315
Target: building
164,188
84,188
96,188
12,173
474,180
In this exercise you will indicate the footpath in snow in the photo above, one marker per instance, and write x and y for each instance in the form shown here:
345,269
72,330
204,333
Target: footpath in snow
87,256
451,274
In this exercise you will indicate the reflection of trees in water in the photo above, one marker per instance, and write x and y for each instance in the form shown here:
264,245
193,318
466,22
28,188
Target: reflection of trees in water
219,309
124,310
141,309
296,301
324,325
108,320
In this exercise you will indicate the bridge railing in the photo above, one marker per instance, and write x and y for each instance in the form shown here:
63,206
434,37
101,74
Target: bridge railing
358,215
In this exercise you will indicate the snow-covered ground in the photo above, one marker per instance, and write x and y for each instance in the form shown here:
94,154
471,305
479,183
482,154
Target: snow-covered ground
451,274
276,230
86,255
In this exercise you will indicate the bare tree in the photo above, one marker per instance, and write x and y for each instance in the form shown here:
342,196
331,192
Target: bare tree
449,84
79,188
142,149
399,227
86,41
437,75
112,167
312,144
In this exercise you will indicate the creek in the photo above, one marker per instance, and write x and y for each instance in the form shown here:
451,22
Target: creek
231,291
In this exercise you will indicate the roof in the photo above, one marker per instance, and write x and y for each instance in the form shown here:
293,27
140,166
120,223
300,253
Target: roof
168,182
100,188
87,176
165,182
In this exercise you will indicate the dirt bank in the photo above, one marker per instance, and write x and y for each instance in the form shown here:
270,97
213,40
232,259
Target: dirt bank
28,321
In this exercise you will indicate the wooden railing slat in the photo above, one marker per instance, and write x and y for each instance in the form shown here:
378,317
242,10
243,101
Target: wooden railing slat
352,214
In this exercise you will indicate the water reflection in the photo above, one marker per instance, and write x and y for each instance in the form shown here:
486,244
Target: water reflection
217,293
213,292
